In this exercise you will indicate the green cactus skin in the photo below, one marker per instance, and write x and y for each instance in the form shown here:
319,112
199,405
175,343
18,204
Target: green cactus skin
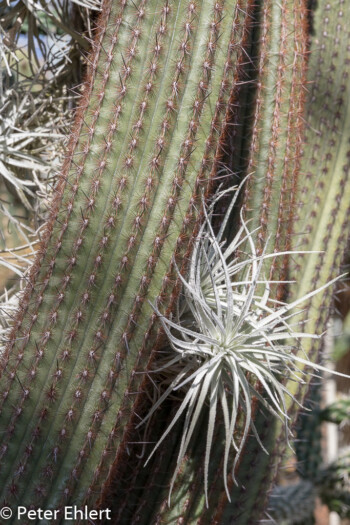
275,144
145,146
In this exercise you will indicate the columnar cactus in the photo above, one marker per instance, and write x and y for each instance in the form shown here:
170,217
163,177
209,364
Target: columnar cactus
167,82
321,210
278,46
144,148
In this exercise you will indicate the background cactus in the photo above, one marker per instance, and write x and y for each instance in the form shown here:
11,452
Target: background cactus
338,412
178,94
334,487
292,504
323,216
295,503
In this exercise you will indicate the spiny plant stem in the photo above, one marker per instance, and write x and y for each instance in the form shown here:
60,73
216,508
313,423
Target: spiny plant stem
144,148
323,212
321,209
275,144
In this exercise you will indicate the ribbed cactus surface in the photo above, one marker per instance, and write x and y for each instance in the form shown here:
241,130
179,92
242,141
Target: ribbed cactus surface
322,212
270,155
145,145
298,195
176,89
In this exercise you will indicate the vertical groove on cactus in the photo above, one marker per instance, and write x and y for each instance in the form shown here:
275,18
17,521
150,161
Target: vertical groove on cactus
273,164
277,129
323,198
144,147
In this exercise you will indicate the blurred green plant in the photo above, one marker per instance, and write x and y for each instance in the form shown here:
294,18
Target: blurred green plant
295,504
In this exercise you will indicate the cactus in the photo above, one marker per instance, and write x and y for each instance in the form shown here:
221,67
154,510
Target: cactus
338,412
166,82
273,43
145,145
308,447
334,485
295,504
342,343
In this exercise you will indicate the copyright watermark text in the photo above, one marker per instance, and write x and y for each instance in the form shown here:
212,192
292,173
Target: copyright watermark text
72,512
